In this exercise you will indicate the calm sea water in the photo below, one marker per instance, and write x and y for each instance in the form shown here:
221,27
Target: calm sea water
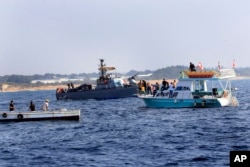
122,132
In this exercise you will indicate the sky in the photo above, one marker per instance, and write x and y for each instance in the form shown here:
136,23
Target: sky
70,36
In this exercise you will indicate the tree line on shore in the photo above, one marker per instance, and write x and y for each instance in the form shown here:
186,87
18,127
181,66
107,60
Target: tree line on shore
167,72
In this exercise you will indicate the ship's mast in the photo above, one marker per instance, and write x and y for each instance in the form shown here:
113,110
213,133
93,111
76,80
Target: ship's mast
102,69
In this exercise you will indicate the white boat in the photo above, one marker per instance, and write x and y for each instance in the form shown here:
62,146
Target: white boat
197,90
62,114
108,86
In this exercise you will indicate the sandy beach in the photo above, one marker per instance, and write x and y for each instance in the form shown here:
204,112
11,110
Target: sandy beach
32,88
16,88
54,87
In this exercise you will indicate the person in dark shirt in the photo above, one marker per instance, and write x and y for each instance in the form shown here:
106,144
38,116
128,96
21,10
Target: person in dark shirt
12,105
72,85
164,84
32,106
192,67
149,89
156,87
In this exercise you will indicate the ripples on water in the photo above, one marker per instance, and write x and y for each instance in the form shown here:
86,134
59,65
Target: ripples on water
122,132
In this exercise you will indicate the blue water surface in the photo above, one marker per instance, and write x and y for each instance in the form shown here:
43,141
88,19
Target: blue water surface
123,132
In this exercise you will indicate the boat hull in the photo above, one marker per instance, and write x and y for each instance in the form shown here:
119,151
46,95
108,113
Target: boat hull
112,93
155,102
39,115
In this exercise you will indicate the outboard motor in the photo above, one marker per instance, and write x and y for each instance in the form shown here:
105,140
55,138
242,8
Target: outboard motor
215,91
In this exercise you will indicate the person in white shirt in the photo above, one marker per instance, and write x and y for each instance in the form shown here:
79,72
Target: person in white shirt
171,90
46,105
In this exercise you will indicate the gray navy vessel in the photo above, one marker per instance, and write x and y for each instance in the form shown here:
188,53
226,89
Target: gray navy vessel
108,86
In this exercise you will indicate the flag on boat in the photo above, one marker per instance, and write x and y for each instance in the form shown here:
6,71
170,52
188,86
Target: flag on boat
234,65
201,68
218,66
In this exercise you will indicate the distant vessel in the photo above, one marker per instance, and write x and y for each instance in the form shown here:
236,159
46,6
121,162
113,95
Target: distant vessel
62,114
202,89
108,86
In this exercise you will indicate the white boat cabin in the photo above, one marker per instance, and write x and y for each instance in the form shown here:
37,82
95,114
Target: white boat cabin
197,88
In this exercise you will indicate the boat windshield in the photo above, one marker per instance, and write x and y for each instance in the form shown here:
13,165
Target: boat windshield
181,88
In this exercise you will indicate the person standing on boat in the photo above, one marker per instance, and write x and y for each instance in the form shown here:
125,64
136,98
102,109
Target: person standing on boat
72,85
149,89
174,84
192,67
32,106
144,84
164,84
156,87
171,89
12,108
142,88
46,105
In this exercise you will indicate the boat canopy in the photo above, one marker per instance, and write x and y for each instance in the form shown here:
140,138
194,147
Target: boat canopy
207,75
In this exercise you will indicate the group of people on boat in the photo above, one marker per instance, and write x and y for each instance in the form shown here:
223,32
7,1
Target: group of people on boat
151,89
70,85
32,107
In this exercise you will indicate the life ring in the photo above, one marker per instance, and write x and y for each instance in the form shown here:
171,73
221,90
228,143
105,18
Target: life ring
225,94
4,115
20,116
